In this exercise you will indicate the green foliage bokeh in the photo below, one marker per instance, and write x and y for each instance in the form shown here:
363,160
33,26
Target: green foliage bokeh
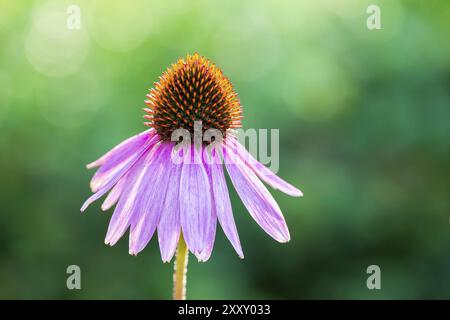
364,132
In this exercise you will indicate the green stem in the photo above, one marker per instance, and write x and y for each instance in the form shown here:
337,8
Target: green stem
180,270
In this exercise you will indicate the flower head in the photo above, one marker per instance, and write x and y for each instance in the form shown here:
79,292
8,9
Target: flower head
192,90
152,192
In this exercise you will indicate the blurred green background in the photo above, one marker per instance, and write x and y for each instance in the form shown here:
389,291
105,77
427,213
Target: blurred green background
364,132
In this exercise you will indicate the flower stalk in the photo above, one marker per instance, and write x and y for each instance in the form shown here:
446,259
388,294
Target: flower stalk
180,270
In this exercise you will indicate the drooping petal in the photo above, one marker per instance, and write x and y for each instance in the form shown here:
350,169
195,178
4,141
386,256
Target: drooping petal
195,204
122,148
114,194
149,203
127,205
205,254
257,199
100,180
118,157
119,173
211,227
221,201
262,171
169,226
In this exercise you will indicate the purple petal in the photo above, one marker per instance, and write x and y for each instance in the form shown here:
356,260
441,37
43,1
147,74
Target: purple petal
195,205
149,203
119,173
205,254
115,159
169,226
257,199
264,173
212,225
133,142
114,194
221,202
126,208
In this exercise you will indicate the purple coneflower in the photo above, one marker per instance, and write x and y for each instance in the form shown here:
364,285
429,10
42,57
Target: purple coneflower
184,200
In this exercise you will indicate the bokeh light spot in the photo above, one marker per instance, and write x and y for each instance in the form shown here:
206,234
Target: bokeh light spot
50,47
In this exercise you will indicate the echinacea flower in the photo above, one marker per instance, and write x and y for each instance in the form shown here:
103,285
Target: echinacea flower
185,200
